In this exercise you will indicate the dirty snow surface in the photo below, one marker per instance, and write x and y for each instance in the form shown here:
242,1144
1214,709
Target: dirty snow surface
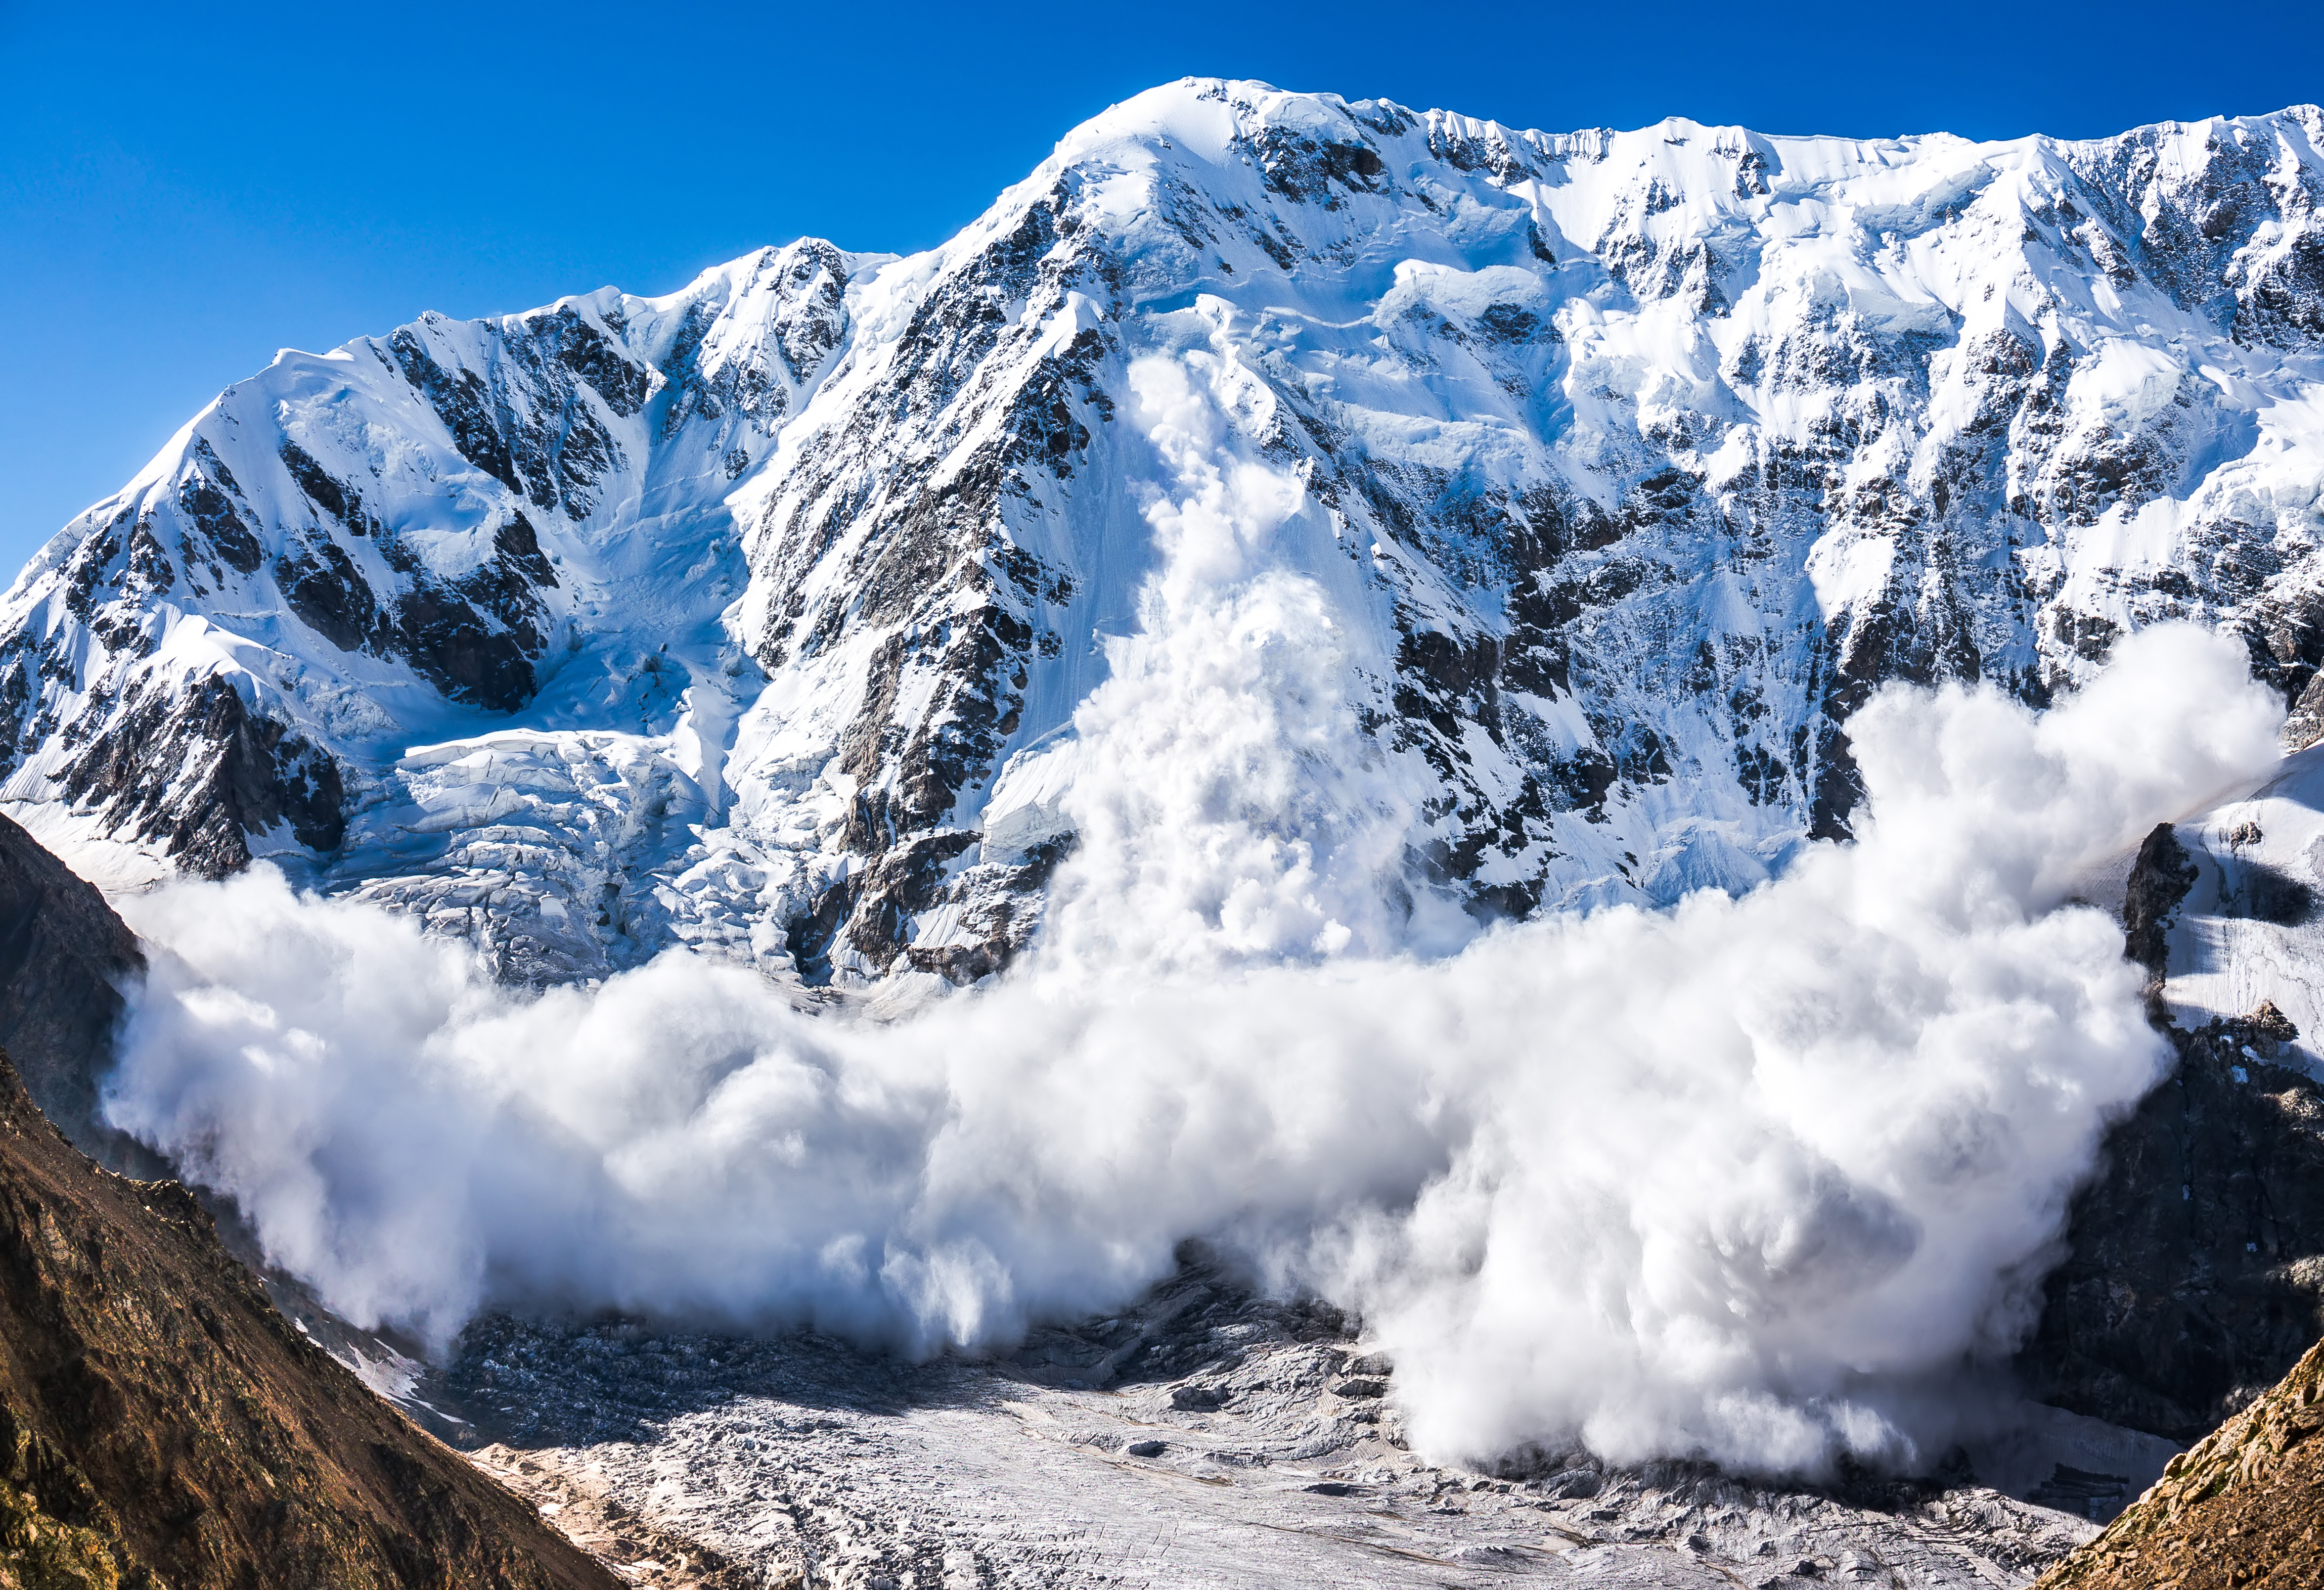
1202,1437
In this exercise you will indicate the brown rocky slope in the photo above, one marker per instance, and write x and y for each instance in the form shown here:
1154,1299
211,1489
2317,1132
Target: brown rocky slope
163,1428
2245,1507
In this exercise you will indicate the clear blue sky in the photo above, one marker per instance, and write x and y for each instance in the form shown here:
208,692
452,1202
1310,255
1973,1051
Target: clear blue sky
185,187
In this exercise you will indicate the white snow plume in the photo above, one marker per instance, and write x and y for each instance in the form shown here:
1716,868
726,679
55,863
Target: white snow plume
1731,1179
1744,1180
1227,807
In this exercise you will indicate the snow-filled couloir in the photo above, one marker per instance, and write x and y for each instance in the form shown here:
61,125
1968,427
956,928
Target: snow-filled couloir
1372,522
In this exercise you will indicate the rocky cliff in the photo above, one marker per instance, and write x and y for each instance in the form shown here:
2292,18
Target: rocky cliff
161,1425
2194,1274
65,959
1605,473
2245,1507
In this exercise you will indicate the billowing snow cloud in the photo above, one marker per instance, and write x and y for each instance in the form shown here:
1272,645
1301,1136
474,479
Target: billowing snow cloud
1749,1179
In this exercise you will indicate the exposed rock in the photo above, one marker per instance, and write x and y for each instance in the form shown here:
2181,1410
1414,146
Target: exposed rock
2159,880
64,960
2243,1507
161,1425
2304,726
2194,1274
198,774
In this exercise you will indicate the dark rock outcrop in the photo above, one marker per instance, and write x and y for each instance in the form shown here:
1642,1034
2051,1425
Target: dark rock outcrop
2159,880
64,959
2195,1272
199,772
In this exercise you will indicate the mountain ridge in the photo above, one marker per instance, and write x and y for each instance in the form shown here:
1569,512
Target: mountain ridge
766,617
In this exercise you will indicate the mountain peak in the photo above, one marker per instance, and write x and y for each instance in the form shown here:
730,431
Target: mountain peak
771,616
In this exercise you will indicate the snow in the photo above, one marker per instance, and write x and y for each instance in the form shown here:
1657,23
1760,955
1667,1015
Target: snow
1848,569
1493,312
2228,950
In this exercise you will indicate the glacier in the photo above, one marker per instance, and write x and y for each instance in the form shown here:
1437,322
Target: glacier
1574,489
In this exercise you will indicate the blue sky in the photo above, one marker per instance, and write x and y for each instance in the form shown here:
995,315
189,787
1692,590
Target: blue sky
183,189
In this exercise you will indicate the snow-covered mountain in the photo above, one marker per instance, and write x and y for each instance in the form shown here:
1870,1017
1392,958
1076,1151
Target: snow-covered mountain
1613,471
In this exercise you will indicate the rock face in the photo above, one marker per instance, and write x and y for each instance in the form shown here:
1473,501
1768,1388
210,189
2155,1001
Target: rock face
2245,1507
2195,1270
2159,878
2194,1276
1622,466
2195,1273
162,1425
64,960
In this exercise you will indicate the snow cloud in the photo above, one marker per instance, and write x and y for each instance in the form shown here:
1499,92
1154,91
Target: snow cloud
1749,1179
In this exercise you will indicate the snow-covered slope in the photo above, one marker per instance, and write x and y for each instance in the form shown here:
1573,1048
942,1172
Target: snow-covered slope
2236,900
1513,518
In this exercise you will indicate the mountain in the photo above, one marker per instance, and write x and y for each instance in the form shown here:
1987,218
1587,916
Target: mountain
2191,1277
1603,475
